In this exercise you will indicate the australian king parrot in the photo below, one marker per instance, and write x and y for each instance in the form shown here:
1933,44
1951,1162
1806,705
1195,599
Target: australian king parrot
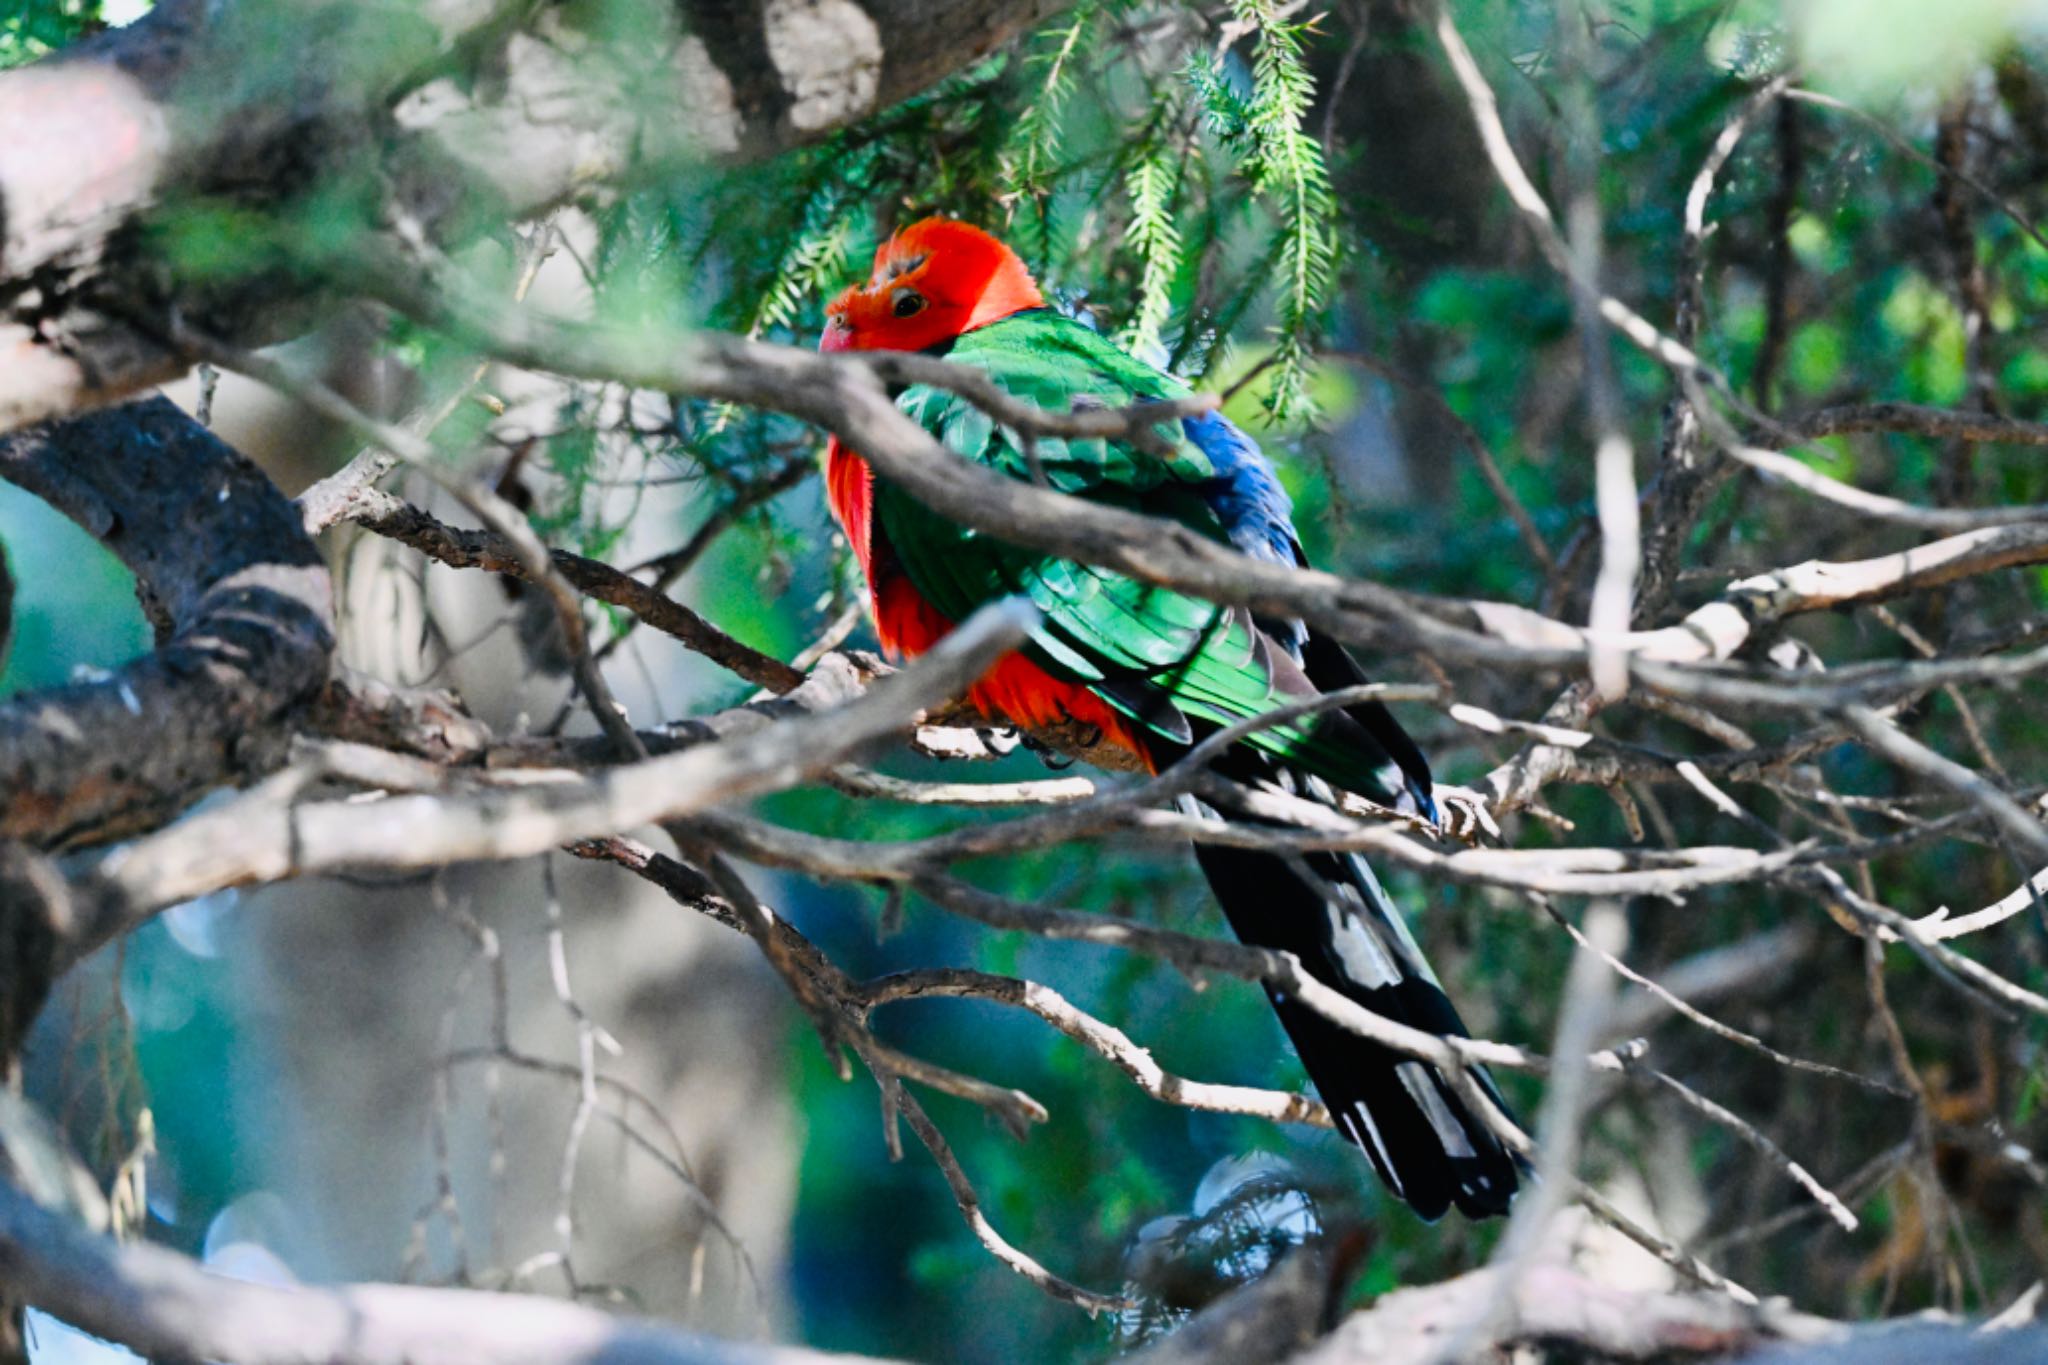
1155,669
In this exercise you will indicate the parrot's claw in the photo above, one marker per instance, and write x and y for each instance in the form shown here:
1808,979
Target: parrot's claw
1464,814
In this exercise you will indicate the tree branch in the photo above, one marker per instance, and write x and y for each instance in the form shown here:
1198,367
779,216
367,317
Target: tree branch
488,102
167,1307
242,604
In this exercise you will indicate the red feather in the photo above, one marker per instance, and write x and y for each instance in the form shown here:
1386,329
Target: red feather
1015,689
962,278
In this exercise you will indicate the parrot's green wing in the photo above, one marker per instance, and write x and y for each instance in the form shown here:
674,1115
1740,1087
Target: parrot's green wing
1180,666
1177,665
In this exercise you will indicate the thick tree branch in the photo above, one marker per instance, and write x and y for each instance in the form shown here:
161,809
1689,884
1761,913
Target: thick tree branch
243,609
264,836
846,395
1560,1310
167,1307
490,103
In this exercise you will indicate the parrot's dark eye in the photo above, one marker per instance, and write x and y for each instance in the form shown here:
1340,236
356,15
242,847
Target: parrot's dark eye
908,304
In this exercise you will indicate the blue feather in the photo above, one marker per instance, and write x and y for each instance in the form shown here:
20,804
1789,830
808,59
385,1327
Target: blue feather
1246,497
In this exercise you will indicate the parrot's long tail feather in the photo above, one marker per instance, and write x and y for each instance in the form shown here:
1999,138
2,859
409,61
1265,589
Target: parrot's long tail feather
1330,911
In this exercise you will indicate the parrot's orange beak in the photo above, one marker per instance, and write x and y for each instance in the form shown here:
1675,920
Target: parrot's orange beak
838,333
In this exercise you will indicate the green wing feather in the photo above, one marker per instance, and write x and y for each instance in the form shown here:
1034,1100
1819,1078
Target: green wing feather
1164,658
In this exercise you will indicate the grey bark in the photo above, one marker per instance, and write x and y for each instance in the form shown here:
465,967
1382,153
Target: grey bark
243,609
462,118
161,1303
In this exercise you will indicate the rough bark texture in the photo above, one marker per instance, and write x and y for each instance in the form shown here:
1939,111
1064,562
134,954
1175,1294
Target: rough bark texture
242,605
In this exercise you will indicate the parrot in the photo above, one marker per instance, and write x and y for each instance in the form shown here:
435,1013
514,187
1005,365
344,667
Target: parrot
1154,670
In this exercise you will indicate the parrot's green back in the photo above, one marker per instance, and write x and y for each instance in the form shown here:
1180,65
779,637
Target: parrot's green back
1177,665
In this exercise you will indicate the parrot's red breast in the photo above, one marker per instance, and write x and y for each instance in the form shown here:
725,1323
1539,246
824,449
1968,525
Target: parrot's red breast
933,281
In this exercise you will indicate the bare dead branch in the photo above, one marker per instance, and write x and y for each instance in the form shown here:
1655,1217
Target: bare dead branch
1105,1039
890,1067
1556,1307
1535,213
1917,419
2027,896
1886,737
1798,474
1748,1132
259,837
165,1306
465,549
840,394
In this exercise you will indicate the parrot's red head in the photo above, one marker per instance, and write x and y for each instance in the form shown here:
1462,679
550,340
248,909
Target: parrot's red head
933,280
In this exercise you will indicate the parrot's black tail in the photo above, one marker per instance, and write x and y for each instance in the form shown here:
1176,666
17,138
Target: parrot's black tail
1329,911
